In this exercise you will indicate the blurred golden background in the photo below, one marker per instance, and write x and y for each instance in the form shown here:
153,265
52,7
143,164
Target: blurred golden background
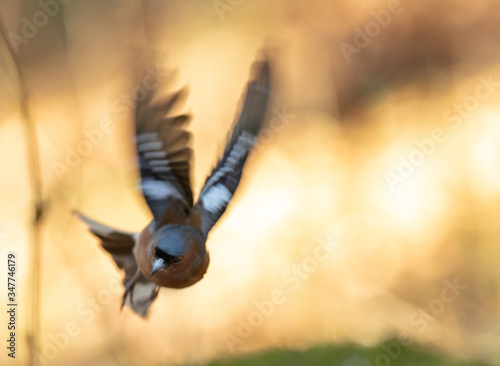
368,211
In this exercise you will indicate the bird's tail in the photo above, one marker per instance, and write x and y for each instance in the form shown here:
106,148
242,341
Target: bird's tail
139,293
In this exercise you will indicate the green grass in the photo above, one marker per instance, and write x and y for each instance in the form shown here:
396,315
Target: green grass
345,356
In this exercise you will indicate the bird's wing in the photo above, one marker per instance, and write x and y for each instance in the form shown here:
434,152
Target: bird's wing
164,154
117,243
139,292
224,178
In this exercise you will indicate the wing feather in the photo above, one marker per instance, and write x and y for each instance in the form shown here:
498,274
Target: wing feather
220,186
163,151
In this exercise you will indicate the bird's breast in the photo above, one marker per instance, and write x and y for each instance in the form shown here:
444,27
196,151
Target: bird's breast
189,270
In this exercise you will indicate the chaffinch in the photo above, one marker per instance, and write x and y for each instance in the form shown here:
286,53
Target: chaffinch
171,250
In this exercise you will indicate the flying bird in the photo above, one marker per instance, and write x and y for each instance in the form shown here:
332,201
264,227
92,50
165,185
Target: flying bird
171,250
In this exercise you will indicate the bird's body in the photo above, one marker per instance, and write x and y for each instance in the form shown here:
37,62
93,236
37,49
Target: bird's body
171,250
183,273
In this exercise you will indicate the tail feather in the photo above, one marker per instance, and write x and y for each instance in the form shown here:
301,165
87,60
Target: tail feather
140,294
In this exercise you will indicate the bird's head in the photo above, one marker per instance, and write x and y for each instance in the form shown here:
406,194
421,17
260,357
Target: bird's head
174,250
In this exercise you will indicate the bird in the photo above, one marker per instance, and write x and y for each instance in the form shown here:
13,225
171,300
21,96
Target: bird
171,250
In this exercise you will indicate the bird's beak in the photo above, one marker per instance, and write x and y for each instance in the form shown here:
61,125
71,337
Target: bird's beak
158,265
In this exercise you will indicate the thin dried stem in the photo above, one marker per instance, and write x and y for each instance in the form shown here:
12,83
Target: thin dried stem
36,186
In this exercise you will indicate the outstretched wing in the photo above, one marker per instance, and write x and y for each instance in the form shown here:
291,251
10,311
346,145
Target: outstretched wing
163,151
225,177
117,243
139,292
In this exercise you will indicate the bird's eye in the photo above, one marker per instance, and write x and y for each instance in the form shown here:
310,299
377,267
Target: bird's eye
169,259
